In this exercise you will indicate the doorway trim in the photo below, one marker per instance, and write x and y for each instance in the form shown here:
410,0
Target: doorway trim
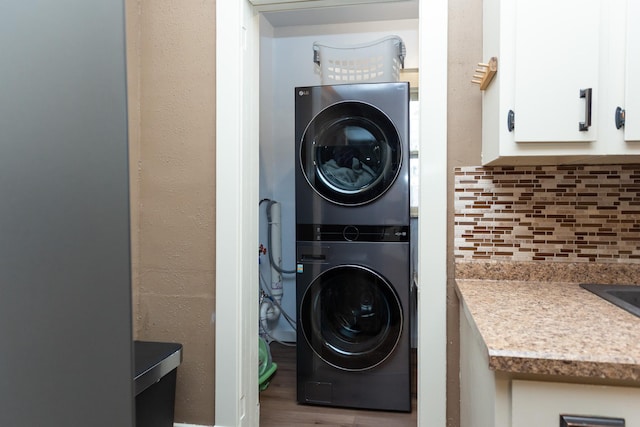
237,179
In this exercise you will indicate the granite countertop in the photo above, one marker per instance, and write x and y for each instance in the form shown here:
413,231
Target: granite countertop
551,328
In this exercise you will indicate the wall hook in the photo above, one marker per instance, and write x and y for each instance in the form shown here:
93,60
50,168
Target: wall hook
485,72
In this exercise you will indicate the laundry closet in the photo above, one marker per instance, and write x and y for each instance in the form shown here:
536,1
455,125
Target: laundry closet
289,61
286,62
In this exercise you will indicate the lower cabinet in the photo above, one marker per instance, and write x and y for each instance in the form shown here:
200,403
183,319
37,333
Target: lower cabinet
539,403
489,398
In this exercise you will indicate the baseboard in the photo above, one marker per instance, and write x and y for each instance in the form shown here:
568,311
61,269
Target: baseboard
187,425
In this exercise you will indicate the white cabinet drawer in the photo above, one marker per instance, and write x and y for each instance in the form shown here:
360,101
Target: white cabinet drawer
537,403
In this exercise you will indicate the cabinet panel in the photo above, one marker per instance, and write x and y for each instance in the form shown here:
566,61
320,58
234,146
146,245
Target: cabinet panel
536,404
484,399
632,87
547,52
557,55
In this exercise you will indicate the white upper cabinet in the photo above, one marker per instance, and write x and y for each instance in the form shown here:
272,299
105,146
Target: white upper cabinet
561,76
556,69
632,92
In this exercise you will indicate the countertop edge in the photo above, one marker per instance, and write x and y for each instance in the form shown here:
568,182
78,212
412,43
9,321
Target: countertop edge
558,367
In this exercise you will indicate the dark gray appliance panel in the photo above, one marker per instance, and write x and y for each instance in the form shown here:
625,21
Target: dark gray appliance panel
65,291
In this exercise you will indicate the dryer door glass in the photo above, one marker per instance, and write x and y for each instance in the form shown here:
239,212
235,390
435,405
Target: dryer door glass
351,153
351,317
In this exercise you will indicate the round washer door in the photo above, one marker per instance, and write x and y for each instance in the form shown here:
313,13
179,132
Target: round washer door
351,317
351,153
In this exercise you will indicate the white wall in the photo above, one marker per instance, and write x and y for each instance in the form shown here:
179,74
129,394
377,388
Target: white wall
286,61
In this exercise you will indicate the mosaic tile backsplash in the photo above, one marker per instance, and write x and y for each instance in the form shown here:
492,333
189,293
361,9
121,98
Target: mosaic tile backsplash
548,213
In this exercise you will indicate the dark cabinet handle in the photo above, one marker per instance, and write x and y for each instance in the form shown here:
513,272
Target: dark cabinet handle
619,117
586,94
577,420
511,121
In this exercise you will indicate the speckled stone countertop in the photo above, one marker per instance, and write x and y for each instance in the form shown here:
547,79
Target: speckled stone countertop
551,327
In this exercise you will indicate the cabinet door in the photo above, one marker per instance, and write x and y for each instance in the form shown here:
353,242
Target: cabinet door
536,404
557,56
632,87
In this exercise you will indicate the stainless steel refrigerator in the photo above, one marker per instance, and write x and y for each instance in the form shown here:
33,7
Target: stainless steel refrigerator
65,291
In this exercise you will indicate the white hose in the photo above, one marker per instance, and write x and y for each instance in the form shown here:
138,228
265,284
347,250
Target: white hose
267,291
275,239
269,312
271,308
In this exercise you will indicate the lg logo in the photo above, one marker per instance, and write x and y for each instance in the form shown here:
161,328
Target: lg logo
303,92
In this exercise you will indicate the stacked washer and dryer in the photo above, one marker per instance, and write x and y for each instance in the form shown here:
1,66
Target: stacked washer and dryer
352,245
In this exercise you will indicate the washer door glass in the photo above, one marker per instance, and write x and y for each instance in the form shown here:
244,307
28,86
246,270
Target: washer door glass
351,317
351,153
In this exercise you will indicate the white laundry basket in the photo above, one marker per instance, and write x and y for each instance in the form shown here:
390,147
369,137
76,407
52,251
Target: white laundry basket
377,61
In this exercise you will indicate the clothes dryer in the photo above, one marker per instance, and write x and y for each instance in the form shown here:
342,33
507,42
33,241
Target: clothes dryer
352,150
353,334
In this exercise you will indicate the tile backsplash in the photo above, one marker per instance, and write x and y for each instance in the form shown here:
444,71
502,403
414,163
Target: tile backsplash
548,213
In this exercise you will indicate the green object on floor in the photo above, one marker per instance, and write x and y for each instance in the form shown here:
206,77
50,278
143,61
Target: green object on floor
266,367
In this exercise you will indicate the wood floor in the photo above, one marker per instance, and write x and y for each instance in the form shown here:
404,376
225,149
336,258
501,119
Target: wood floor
278,407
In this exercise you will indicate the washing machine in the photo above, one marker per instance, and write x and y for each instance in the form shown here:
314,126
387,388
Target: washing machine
353,332
352,150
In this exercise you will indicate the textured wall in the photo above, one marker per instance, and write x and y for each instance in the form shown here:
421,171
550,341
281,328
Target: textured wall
464,114
171,54
548,213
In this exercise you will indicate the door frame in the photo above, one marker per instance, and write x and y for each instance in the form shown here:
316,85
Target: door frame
237,179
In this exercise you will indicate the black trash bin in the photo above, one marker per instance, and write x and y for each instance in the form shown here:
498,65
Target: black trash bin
156,366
